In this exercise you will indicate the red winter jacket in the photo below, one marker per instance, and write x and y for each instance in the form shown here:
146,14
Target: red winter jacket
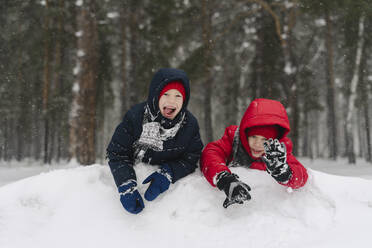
218,154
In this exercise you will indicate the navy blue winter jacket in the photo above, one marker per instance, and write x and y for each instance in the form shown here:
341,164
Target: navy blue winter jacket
181,153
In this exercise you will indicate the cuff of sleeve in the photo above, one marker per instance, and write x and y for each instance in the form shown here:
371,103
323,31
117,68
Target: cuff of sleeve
283,177
225,178
167,172
127,187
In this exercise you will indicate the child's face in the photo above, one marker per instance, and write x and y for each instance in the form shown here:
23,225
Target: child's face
170,103
256,144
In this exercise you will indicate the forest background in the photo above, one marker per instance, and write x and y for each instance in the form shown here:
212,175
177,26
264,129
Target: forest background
71,69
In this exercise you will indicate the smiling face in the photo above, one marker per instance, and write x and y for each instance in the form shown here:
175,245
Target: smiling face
170,103
256,144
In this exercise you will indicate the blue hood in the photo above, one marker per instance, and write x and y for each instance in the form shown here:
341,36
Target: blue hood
161,78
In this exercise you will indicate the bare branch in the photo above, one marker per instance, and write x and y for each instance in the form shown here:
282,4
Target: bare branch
234,22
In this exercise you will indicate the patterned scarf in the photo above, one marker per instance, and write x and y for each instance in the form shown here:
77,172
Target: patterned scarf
155,131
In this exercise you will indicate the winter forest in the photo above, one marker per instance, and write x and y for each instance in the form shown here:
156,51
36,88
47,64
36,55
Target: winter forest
71,69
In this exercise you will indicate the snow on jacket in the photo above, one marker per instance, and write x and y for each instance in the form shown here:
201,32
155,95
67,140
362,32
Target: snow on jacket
180,150
233,148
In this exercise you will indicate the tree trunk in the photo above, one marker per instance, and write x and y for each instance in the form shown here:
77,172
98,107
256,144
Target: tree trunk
83,124
307,141
352,96
295,119
365,107
58,117
208,81
331,116
361,139
46,83
316,134
312,137
125,96
20,114
366,122
133,96
5,124
367,129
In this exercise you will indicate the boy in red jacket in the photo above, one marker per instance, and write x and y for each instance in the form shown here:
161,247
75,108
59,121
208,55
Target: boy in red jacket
260,142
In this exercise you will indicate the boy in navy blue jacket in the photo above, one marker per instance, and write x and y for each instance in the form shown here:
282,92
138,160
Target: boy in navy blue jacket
161,132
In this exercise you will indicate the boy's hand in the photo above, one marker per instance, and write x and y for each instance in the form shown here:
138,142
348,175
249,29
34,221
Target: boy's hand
235,190
275,159
160,181
275,151
130,198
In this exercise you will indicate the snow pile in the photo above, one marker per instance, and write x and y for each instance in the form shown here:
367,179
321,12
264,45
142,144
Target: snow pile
80,207
11,171
341,167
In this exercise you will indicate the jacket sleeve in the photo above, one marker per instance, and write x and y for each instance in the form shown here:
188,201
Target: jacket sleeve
120,152
299,172
216,154
188,162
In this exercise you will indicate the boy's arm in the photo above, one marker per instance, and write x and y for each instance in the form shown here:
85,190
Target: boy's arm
120,152
188,162
215,155
299,172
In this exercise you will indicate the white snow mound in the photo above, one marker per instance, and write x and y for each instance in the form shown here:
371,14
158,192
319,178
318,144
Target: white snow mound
80,207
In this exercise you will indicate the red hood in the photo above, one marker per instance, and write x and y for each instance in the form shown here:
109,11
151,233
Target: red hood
263,112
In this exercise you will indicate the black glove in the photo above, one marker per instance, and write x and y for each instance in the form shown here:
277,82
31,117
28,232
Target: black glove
275,159
235,190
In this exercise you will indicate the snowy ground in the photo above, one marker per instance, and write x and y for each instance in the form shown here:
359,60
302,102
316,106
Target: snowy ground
72,206
340,167
14,170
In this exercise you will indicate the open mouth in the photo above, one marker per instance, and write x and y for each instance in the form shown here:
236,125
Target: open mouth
169,111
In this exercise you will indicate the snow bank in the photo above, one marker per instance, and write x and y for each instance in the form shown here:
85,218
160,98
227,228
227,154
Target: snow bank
13,170
80,207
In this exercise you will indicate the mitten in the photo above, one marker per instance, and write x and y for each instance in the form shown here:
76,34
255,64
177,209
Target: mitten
235,190
160,181
130,198
275,159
